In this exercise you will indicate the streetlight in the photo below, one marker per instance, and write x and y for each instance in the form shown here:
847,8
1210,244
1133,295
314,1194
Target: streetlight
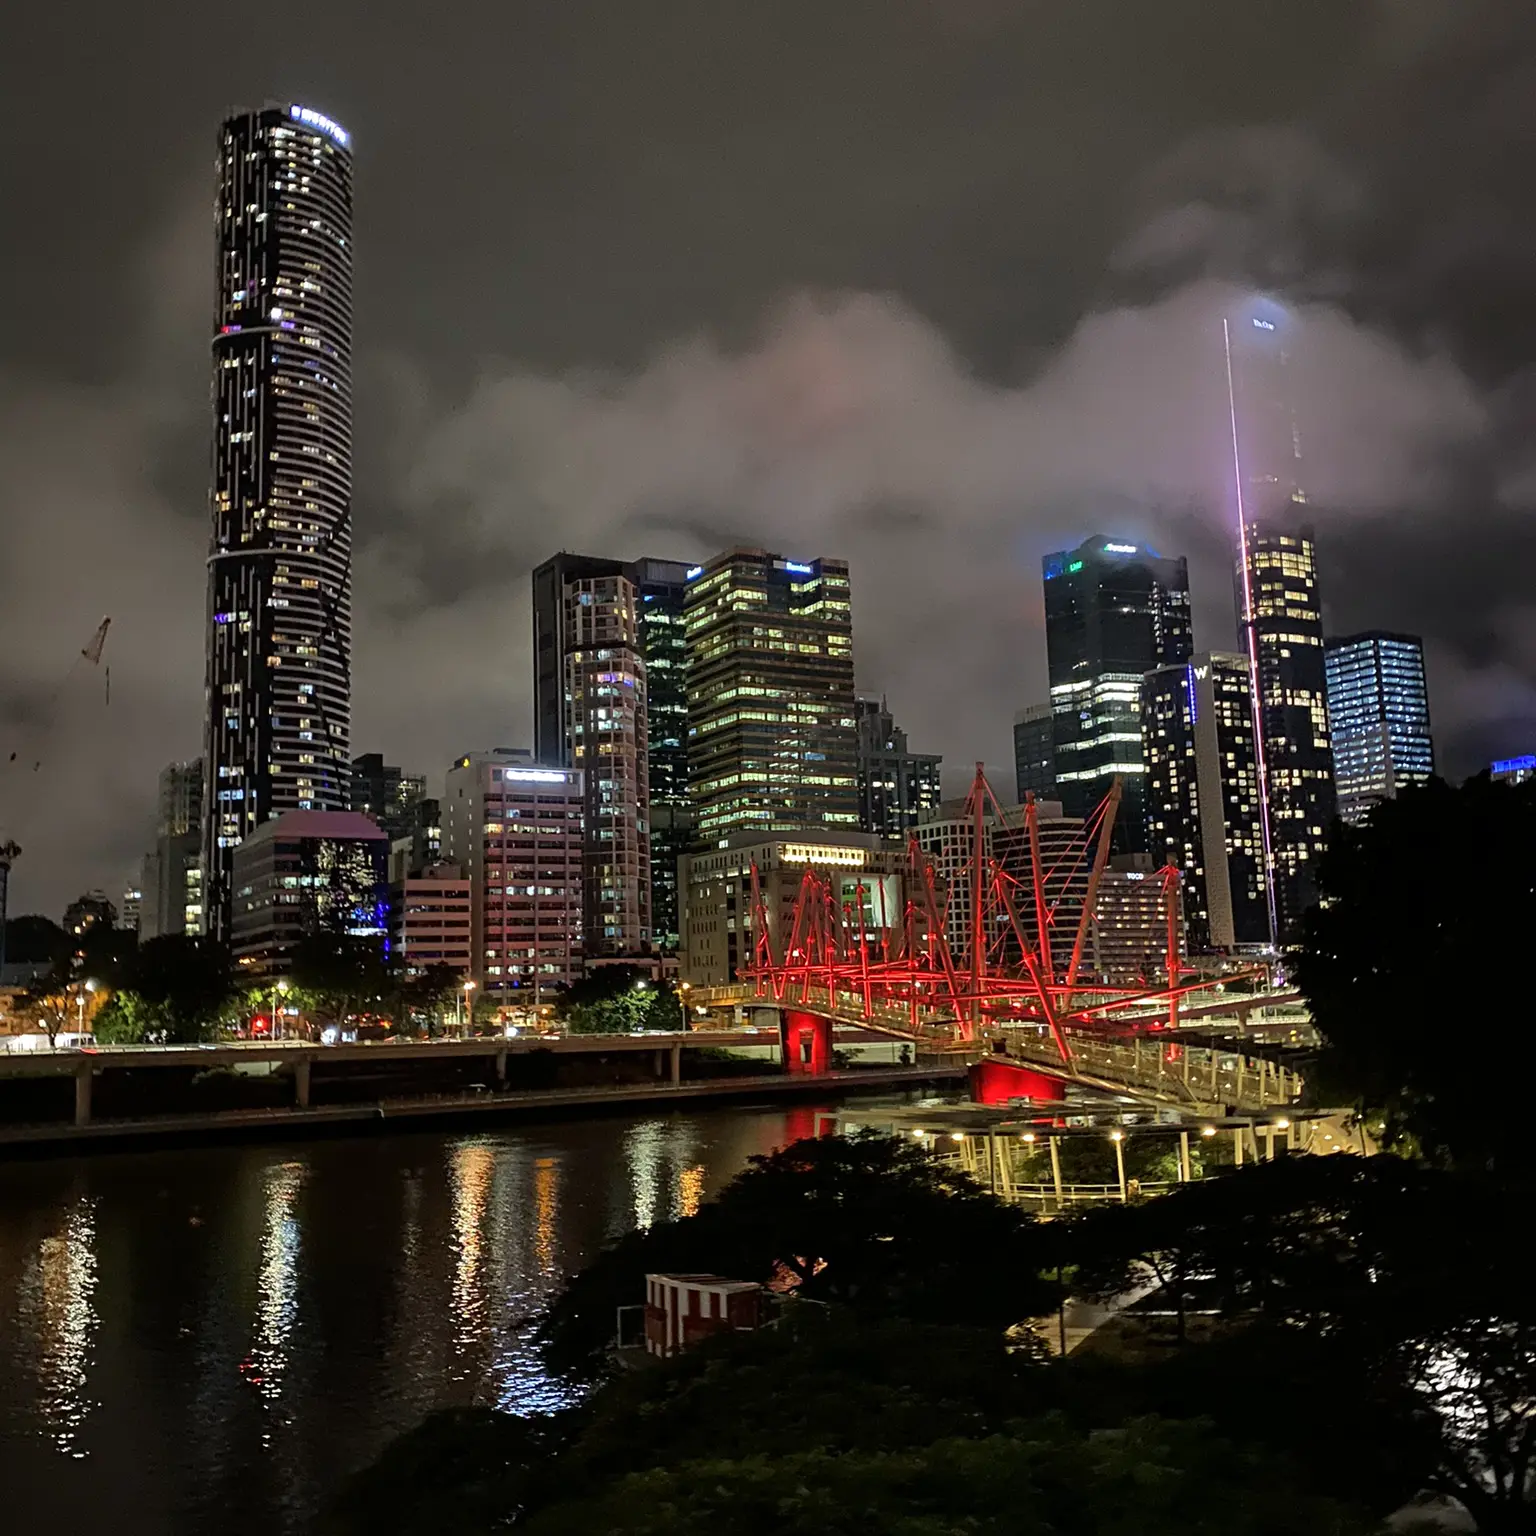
278,987
466,1012
90,986
1118,1137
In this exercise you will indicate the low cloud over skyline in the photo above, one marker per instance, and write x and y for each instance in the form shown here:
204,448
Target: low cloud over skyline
940,355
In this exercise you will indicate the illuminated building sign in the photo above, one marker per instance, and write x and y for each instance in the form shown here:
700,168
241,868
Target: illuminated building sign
1076,565
536,776
312,119
811,853
799,570
1263,325
1119,549
1516,765
695,572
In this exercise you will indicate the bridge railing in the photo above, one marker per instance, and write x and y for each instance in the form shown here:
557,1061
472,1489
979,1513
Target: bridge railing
1182,1074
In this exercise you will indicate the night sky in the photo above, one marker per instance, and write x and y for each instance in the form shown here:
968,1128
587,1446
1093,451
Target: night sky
933,285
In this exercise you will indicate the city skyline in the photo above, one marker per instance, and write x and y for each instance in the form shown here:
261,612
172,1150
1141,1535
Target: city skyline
765,356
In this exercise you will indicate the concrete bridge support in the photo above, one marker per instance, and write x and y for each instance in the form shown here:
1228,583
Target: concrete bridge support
83,1093
301,1083
806,1039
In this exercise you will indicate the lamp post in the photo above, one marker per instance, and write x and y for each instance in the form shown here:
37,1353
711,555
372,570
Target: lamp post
466,1012
1118,1137
89,986
279,989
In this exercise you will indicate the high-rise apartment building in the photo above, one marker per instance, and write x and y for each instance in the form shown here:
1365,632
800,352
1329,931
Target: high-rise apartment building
1279,613
382,791
1378,716
1113,611
431,920
897,786
1202,796
514,827
1034,752
655,651
772,745
170,877
279,666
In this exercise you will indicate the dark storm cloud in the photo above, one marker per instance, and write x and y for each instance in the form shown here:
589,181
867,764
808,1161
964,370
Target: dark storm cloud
929,284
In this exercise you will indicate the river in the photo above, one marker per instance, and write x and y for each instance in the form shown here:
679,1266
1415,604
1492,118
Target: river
211,1339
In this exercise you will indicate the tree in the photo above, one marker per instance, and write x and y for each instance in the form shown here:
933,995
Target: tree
177,985
339,974
32,939
617,1000
868,1221
1412,903
1036,1477
427,994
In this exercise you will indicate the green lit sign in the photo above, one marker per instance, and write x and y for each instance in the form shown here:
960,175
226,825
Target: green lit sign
1076,565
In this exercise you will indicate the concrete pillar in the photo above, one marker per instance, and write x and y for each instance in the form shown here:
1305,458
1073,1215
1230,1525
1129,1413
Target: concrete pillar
1056,1171
501,1067
301,1082
677,1063
1237,1137
1186,1173
83,1093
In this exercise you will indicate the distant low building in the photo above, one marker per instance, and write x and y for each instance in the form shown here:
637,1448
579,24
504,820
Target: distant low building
92,910
1513,770
304,872
718,936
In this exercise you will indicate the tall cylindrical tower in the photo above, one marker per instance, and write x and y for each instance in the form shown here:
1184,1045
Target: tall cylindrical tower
279,638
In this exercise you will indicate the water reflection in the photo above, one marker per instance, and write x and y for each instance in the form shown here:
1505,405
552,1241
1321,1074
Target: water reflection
277,1285
665,1182
472,1167
57,1310
228,1331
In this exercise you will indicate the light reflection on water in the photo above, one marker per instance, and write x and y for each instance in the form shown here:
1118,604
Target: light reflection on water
276,1286
57,1315
214,1337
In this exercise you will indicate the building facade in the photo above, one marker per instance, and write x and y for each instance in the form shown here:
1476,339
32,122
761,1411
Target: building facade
1130,924
1283,628
1513,770
514,828
171,876
431,920
718,936
772,745
279,638
1279,611
897,787
307,872
1203,810
1113,612
1378,718
1034,752
656,649
380,790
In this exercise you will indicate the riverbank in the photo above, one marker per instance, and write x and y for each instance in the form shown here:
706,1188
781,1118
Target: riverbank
457,1109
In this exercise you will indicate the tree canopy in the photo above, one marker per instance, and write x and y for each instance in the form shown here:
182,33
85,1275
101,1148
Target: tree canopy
1433,888
867,1221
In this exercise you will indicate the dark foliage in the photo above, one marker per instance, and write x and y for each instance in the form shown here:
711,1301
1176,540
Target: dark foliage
868,1222
1415,902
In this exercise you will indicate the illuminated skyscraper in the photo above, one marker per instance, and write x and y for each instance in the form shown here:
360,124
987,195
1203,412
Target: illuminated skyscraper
772,745
1203,796
279,641
1378,710
1113,612
570,705
1279,614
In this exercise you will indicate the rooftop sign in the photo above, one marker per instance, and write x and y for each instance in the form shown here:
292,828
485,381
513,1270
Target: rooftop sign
326,125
